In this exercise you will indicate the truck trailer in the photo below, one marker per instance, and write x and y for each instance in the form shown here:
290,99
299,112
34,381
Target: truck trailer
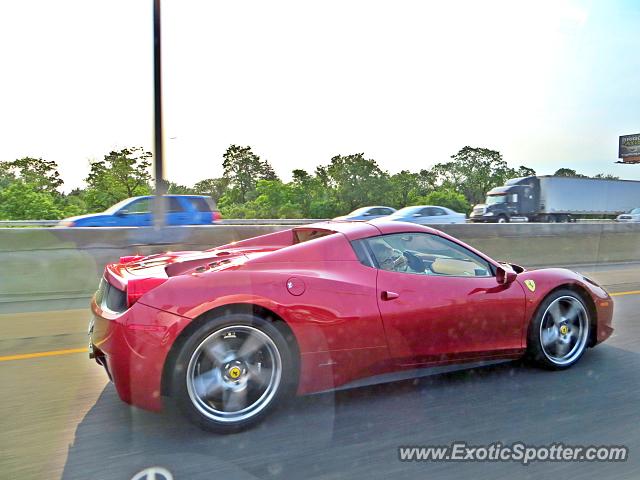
549,198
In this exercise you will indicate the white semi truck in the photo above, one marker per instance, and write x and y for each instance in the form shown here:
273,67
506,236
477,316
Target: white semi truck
556,199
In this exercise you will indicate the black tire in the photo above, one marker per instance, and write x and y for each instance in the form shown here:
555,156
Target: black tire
546,342
227,330
502,219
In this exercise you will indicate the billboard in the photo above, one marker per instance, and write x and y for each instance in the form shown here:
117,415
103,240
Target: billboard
629,148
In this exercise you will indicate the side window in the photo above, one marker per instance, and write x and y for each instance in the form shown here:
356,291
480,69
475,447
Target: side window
174,206
426,254
199,204
363,253
386,211
435,211
139,206
425,212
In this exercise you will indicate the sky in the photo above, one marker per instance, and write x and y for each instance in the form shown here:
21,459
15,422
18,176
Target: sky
549,84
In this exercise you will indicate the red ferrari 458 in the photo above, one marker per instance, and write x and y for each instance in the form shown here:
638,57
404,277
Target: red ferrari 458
231,332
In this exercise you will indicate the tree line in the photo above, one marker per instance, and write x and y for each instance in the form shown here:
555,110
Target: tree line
30,188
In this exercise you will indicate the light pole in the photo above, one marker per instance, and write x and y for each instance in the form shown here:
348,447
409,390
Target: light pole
158,166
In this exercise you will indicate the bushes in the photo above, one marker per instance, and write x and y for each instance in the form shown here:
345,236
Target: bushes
448,198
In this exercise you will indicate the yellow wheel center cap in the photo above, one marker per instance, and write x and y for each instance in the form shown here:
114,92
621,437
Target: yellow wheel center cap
564,329
234,372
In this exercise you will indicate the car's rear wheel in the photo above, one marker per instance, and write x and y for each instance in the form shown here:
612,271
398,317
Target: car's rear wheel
559,332
232,371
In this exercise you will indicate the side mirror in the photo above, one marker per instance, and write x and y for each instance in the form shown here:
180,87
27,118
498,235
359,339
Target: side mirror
417,215
505,275
121,212
366,214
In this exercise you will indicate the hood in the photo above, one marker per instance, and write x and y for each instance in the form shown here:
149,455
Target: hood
82,217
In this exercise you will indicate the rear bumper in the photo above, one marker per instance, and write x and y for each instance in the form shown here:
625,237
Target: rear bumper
133,347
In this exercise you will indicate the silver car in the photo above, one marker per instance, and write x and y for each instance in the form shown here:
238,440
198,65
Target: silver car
428,214
368,213
630,216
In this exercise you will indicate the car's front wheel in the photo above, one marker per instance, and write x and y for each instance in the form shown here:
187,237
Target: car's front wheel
232,371
559,332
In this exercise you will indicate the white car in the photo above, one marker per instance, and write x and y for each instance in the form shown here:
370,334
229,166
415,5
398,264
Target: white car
367,213
428,215
631,216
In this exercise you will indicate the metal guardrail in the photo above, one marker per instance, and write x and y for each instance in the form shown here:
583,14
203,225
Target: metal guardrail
230,221
271,221
28,223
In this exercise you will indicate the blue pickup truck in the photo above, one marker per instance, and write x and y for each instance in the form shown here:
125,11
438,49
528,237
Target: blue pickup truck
137,212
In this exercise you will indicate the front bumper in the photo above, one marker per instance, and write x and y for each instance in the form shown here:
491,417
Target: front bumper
604,312
132,347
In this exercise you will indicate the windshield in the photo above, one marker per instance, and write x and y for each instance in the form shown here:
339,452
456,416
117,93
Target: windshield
113,209
360,211
406,211
635,211
494,199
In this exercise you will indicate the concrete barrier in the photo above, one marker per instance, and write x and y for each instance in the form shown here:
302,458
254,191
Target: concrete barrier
39,264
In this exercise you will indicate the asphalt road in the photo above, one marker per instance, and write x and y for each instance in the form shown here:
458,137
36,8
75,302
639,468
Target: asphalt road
60,418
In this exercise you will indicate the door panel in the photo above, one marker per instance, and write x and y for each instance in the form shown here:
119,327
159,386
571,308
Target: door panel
435,318
177,213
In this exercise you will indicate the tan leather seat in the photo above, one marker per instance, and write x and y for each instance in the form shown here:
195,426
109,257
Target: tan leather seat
450,266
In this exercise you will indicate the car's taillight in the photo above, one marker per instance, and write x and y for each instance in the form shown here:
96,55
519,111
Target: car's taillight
137,288
215,216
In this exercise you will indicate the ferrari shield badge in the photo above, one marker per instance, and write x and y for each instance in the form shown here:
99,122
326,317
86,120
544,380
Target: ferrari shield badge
531,285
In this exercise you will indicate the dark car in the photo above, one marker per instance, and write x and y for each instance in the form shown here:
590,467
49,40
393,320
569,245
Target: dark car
137,212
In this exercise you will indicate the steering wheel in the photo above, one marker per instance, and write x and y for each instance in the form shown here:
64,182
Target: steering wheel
414,262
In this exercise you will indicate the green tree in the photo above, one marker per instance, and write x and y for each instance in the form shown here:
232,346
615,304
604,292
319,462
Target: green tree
449,198
523,171
276,200
7,177
313,195
606,176
567,172
473,172
73,203
20,201
404,188
243,169
176,189
356,181
42,175
119,175
214,187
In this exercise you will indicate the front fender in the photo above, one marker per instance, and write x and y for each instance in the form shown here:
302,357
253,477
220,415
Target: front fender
537,284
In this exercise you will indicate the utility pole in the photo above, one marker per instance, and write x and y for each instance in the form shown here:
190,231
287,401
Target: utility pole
158,166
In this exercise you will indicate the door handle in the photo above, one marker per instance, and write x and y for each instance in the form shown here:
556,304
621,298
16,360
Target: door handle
388,295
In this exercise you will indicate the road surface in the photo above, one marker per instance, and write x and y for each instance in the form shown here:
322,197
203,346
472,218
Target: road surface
60,418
